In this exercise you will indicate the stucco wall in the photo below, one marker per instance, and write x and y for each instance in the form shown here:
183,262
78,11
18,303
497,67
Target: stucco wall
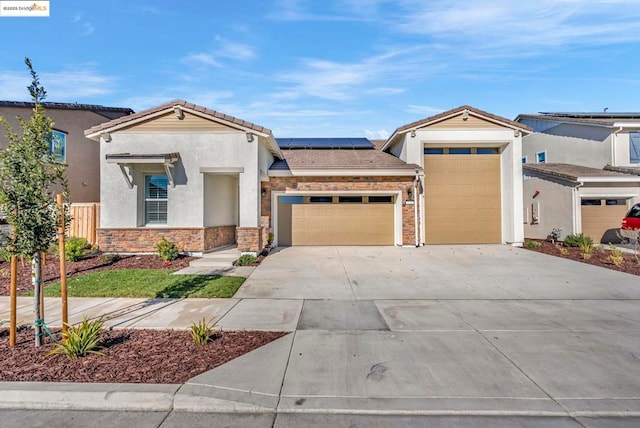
555,202
82,154
571,150
220,200
121,206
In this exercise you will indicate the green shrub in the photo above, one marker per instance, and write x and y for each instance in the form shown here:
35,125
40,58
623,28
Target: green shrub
532,244
201,333
270,238
246,260
616,257
110,257
5,255
586,247
76,249
167,250
574,240
81,340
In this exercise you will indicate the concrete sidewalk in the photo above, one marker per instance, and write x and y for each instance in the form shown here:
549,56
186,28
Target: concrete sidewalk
458,345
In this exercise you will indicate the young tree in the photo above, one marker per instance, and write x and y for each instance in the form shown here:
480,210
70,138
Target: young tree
29,176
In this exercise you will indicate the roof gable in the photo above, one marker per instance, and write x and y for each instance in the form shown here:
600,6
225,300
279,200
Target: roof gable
171,122
173,107
463,117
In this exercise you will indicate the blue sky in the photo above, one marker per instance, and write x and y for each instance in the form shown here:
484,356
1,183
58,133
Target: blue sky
332,67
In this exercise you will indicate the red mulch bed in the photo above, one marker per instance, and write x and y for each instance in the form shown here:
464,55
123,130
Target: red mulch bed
93,263
132,356
598,258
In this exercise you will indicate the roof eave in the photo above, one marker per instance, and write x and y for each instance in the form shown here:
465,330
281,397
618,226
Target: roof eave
356,172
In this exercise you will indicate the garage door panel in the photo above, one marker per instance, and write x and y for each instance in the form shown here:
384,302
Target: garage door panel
598,219
343,224
462,199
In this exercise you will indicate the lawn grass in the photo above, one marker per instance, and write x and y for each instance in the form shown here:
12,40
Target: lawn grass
150,283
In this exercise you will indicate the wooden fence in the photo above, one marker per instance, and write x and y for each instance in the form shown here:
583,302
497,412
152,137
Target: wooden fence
85,218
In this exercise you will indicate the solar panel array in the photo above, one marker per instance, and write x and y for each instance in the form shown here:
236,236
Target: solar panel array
324,143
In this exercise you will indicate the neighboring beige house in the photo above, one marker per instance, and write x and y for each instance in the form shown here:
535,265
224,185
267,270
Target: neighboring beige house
581,173
205,179
81,154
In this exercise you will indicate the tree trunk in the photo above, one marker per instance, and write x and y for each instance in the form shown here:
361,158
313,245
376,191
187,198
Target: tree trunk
36,280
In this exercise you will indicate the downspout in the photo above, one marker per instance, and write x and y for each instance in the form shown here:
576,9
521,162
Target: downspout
415,209
575,210
614,137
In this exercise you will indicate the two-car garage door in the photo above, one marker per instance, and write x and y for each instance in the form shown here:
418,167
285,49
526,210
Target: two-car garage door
333,223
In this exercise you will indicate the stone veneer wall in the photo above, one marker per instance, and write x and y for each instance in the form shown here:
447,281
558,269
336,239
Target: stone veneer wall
144,240
250,239
348,183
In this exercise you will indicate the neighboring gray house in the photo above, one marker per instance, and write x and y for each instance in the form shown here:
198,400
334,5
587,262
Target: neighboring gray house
581,172
81,154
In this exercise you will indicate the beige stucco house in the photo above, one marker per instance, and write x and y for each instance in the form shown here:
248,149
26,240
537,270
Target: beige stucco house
581,173
81,154
205,179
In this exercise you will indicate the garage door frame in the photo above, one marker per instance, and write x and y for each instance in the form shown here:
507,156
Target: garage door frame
397,217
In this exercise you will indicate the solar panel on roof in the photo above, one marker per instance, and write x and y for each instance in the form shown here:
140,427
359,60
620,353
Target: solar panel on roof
325,143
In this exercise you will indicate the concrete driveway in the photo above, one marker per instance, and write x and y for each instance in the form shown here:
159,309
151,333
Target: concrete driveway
450,330
487,272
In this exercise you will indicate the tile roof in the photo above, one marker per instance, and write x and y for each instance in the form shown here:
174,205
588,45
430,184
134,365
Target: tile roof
588,118
447,113
378,143
214,115
634,170
574,172
66,106
344,159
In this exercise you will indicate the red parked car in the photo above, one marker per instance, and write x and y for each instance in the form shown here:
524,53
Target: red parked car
631,223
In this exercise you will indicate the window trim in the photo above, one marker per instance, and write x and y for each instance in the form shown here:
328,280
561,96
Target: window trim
544,153
64,146
147,199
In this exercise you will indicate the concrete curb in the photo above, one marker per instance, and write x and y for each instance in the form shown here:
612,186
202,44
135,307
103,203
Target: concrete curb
87,396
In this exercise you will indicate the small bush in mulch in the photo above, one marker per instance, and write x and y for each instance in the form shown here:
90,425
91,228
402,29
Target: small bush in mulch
131,356
600,256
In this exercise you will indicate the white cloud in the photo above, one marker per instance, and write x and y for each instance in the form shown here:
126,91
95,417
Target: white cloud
502,28
376,134
86,27
62,86
223,49
423,110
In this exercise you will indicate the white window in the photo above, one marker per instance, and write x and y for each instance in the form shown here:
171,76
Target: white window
541,157
155,199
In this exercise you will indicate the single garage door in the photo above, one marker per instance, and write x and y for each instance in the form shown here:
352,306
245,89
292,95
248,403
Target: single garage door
462,196
601,218
342,224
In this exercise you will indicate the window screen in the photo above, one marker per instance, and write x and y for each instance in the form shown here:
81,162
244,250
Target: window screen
155,199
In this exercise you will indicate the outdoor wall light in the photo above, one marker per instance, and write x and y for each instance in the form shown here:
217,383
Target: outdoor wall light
413,133
409,194
465,115
106,137
249,137
264,192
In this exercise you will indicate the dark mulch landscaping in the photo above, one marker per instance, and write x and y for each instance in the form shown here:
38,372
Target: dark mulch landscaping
132,356
598,258
93,263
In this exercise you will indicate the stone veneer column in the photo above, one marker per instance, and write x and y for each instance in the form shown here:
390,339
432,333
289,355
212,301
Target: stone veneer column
250,239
